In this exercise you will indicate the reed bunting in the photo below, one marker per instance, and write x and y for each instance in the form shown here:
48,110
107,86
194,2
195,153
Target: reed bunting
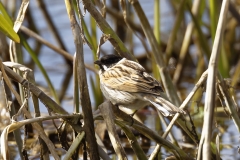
127,84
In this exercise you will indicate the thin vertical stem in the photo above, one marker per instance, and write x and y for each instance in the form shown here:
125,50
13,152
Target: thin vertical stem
205,146
82,83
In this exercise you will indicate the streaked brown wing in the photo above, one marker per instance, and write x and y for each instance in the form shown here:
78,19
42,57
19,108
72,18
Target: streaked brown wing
131,77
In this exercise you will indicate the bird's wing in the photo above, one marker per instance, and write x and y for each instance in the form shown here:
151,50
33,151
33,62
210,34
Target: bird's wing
131,77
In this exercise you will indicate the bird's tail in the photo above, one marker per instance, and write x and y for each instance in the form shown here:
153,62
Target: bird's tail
163,105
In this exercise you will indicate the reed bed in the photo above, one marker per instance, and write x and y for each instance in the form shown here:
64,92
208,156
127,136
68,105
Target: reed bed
196,60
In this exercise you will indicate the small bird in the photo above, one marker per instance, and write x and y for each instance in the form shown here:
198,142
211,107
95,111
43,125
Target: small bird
127,84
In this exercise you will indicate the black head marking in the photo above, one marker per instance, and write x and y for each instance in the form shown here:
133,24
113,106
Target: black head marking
108,61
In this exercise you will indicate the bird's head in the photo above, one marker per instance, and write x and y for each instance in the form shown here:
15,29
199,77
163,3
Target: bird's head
108,61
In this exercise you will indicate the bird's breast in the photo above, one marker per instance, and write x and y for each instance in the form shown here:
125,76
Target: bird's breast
123,98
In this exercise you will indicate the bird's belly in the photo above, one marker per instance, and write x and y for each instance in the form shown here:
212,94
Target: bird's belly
123,99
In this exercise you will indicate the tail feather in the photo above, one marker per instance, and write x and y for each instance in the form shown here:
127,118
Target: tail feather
163,105
162,109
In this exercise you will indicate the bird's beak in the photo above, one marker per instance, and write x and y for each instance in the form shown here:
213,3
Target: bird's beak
97,62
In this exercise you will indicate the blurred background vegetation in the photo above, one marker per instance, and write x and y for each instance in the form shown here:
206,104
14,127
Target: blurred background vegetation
184,31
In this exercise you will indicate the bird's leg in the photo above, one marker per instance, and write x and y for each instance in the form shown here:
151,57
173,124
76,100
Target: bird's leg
132,119
133,113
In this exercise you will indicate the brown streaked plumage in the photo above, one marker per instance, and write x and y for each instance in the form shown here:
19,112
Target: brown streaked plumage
126,83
